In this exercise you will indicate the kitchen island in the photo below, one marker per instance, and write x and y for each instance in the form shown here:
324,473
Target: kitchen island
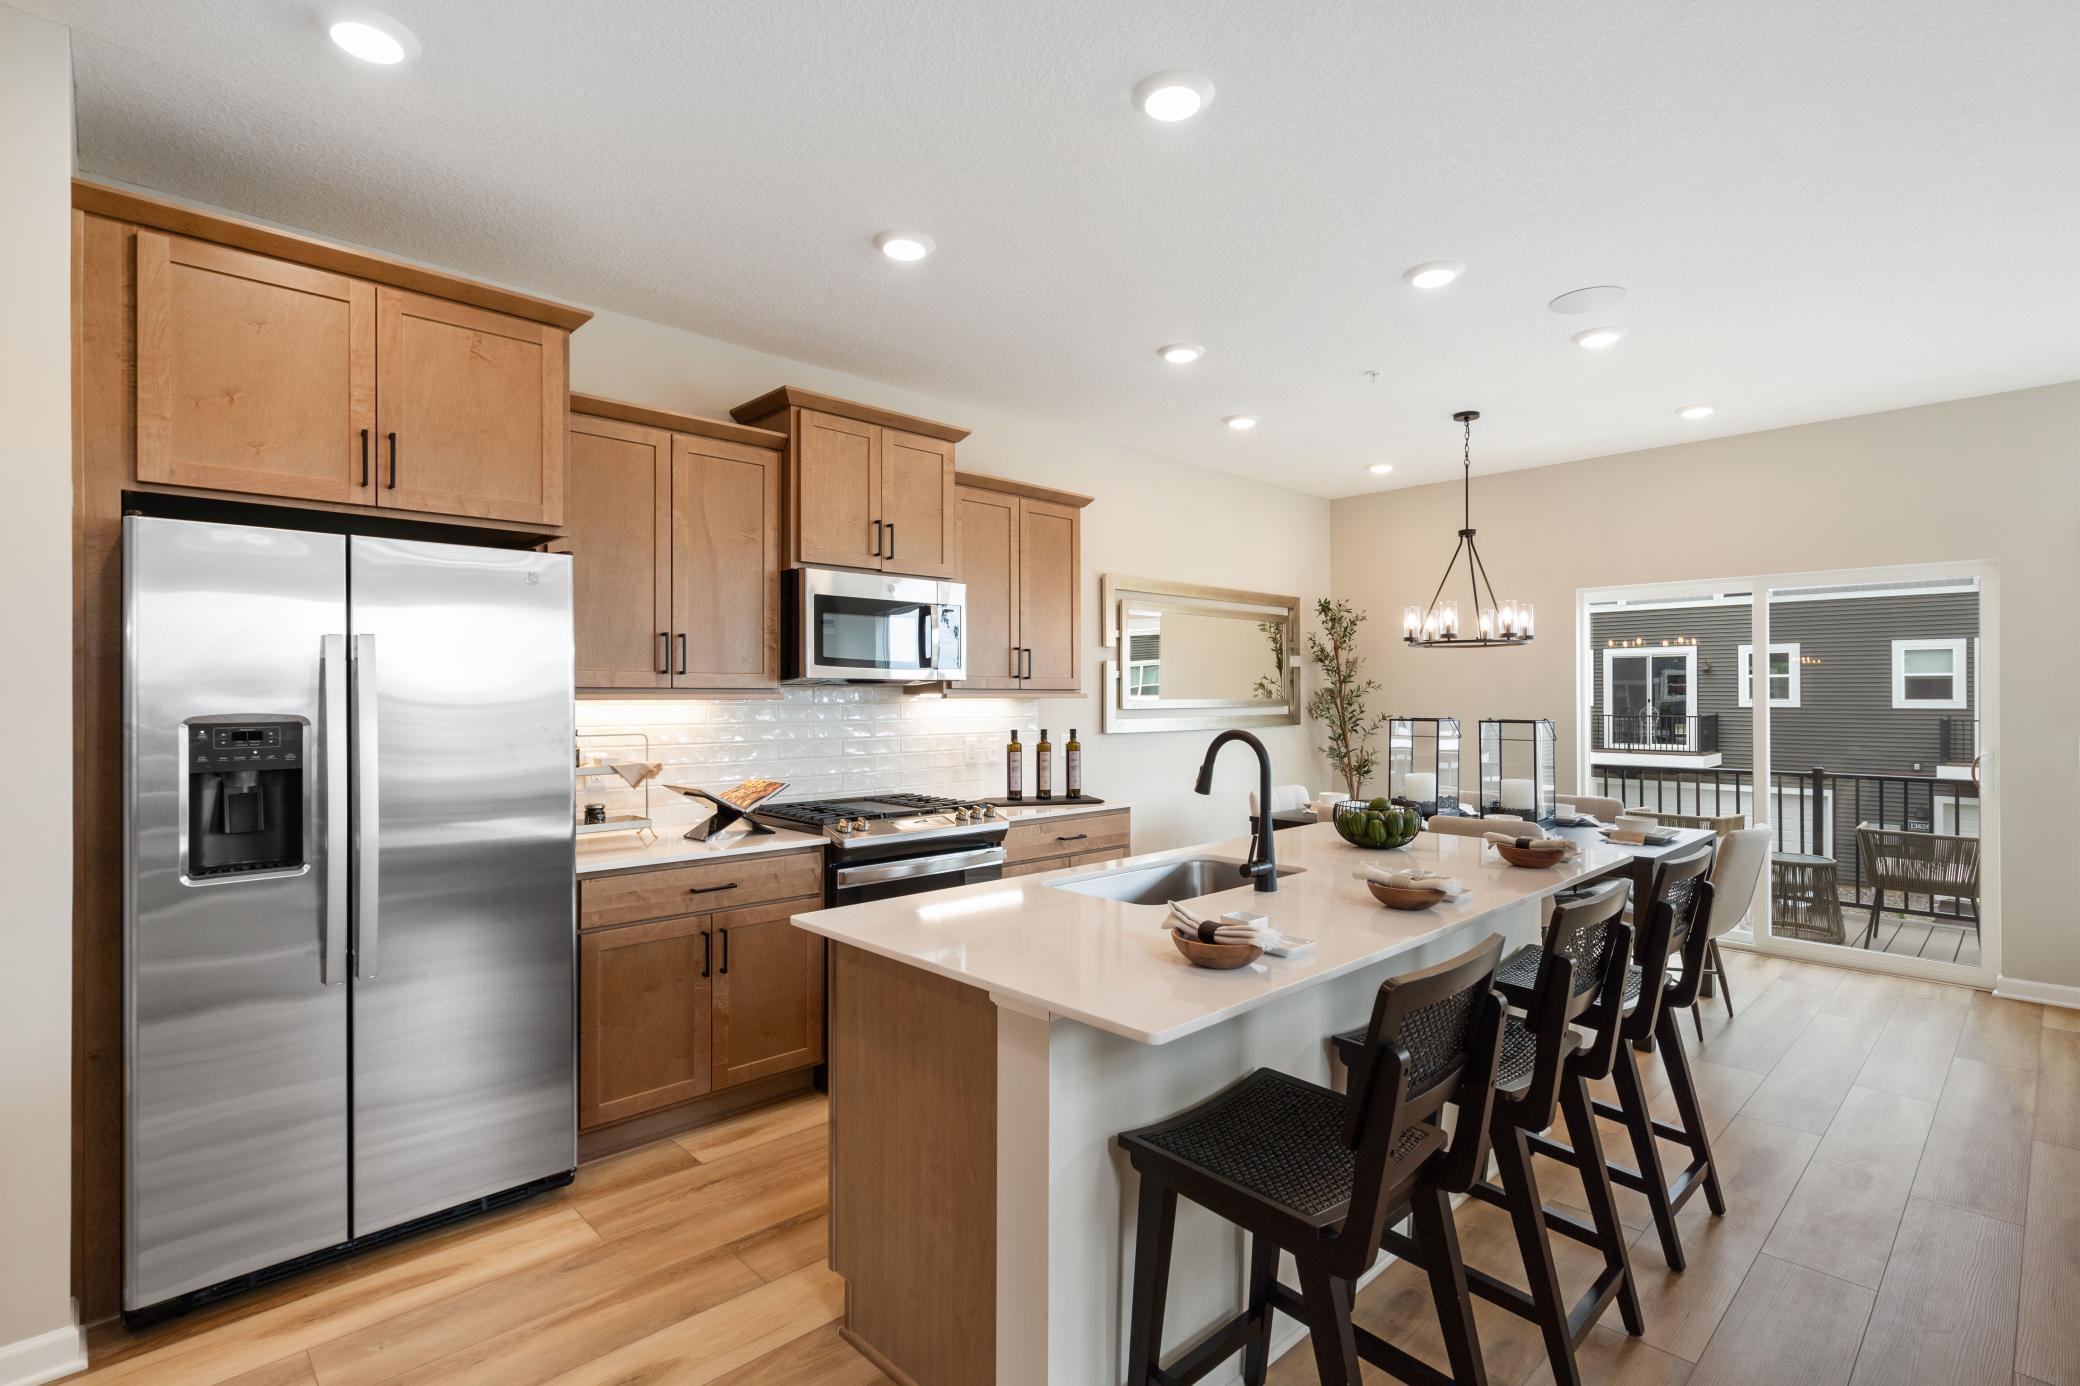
988,1042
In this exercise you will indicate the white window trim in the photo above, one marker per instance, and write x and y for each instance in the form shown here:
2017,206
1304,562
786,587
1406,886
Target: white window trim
1747,674
1957,698
1687,653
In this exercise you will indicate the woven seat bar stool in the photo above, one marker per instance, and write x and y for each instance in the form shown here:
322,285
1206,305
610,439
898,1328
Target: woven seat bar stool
1678,926
1305,1169
1577,978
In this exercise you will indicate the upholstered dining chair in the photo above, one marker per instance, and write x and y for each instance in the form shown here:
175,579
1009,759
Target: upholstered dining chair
1474,827
1734,878
1593,805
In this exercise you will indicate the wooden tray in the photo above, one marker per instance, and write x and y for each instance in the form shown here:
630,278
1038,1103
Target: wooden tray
1216,955
1405,897
1532,856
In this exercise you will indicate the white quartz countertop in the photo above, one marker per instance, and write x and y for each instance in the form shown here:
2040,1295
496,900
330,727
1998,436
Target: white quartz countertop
1110,965
603,853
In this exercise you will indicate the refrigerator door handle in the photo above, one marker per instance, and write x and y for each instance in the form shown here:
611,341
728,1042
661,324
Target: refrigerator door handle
332,677
368,811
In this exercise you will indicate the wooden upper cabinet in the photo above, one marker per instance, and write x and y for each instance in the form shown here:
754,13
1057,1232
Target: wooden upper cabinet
620,526
988,566
725,555
837,490
1050,618
768,994
917,507
1020,556
864,487
644,1034
470,410
253,374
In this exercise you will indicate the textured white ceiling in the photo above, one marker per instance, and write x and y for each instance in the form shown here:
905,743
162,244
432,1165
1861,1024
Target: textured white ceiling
1821,209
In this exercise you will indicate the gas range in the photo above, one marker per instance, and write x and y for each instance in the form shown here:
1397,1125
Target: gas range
880,825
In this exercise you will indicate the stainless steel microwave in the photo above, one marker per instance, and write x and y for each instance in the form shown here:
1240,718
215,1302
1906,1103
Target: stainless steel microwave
840,626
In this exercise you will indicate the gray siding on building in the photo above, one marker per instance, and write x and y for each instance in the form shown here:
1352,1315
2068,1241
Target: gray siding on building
1845,720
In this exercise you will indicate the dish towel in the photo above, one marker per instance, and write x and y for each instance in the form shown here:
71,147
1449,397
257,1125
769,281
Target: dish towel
1535,844
1417,879
1205,930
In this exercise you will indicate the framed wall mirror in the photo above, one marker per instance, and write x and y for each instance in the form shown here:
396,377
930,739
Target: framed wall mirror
1181,657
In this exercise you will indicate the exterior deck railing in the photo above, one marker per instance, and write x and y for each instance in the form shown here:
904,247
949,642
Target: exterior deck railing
1958,740
1812,811
1652,732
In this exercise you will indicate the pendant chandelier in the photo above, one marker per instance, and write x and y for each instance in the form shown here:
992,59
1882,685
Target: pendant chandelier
1495,623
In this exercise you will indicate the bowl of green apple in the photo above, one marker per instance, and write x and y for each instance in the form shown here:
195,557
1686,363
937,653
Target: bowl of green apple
1377,824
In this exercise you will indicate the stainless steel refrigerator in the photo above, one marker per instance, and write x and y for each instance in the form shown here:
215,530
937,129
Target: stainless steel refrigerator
349,928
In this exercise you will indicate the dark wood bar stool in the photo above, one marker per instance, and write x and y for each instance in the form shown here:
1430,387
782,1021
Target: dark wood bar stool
1678,918
1321,1174
1576,978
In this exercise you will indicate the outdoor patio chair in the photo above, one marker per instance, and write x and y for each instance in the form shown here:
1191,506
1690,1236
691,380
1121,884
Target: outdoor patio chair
1938,865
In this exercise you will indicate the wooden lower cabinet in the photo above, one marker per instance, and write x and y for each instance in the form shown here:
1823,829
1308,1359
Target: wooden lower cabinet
1050,844
768,997
643,1007
672,1009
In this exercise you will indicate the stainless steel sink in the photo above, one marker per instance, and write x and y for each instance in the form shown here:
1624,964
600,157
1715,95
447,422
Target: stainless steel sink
1162,882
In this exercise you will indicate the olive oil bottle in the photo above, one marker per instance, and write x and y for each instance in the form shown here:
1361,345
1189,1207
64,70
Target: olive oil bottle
1014,769
1043,766
1072,767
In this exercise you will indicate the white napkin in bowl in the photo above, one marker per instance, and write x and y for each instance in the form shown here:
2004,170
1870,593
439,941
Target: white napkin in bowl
1204,930
1535,844
1413,879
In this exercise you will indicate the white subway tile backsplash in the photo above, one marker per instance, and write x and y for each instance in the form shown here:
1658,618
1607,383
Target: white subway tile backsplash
822,741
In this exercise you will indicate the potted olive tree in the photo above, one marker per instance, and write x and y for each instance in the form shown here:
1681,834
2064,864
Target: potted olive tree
1340,693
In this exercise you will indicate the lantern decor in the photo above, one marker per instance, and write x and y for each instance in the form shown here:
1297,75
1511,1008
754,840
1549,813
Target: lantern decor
1519,769
1423,764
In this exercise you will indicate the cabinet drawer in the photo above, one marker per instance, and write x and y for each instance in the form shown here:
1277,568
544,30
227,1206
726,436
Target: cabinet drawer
717,885
1054,837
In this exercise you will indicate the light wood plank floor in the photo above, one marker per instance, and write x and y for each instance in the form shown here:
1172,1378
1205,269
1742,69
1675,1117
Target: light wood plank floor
1902,1168
690,1261
1902,1162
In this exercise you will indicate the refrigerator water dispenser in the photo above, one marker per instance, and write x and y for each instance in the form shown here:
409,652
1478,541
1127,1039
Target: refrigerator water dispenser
245,795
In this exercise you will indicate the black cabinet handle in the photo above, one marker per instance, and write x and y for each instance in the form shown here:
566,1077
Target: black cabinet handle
682,651
710,890
1073,837
364,457
725,952
664,652
891,539
877,539
393,464
1028,672
707,953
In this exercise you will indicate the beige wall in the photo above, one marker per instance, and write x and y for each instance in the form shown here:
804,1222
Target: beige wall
1152,518
1995,479
36,1332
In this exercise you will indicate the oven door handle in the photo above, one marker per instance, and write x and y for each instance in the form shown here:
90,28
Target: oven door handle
874,873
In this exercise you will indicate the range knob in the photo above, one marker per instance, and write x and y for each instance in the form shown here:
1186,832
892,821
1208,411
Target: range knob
859,825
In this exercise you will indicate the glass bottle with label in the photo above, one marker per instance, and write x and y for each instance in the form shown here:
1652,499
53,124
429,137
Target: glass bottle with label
1014,769
1043,766
1072,767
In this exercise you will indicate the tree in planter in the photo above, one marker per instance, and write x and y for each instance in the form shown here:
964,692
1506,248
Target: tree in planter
1339,699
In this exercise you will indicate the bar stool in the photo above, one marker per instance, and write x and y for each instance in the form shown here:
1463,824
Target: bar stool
1320,1174
1677,924
1577,978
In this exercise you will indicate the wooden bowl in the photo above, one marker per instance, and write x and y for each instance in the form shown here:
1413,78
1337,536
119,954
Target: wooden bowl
1532,856
1216,955
1405,897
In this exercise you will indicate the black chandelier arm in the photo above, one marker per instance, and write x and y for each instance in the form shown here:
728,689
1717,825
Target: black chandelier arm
1445,579
1475,554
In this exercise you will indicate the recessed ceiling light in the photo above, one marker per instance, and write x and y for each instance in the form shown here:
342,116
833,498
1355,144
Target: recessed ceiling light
1591,300
371,37
1698,411
1240,422
1597,338
907,246
1169,96
1380,468
1181,353
1433,274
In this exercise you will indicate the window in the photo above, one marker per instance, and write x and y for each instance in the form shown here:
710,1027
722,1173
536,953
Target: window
1928,673
1649,697
1783,675
1144,664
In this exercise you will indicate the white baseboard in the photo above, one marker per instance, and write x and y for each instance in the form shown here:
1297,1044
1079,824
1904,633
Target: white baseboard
2043,993
45,1357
